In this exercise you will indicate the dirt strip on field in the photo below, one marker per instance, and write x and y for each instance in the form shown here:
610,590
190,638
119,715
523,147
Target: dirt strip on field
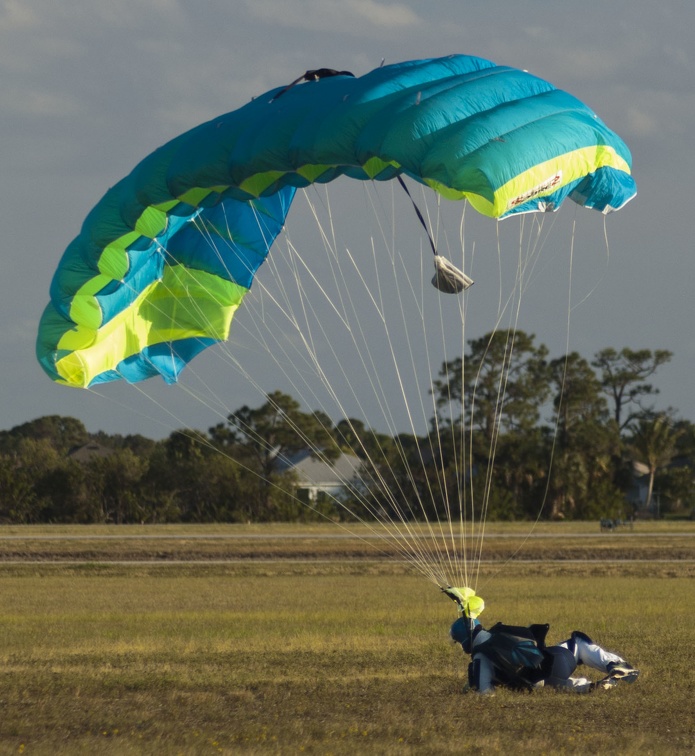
599,547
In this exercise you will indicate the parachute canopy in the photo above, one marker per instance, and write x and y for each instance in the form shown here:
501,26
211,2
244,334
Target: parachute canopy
165,258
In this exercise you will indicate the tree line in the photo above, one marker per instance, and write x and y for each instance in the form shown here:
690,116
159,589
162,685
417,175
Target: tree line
559,438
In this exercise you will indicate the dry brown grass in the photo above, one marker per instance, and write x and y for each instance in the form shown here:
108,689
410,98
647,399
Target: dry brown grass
503,541
330,657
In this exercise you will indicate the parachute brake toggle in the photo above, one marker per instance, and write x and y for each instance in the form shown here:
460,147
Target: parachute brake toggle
448,278
468,603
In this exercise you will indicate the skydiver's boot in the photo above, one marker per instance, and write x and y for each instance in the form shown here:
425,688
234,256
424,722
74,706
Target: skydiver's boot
607,683
618,672
622,672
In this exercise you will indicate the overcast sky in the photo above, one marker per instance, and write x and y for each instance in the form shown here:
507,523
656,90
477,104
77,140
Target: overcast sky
89,87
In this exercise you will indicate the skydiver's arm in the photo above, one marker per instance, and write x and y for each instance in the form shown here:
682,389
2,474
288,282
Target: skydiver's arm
480,674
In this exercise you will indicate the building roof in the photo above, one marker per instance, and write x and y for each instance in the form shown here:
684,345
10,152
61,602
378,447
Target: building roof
314,472
88,451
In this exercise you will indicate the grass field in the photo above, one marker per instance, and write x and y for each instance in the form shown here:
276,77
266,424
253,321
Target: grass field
98,655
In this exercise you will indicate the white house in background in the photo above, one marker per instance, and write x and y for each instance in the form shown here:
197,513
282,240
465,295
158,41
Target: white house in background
89,451
315,476
639,486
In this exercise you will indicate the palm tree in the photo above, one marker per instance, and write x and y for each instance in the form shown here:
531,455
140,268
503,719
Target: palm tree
654,445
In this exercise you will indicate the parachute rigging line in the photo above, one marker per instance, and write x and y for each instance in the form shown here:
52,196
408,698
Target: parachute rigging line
165,260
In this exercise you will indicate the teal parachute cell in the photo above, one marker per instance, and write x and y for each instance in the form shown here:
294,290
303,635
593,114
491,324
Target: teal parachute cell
166,257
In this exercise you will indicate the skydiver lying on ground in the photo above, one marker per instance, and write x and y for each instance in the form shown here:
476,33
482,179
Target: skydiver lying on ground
517,657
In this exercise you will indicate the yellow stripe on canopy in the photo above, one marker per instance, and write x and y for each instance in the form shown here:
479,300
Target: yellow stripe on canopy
184,304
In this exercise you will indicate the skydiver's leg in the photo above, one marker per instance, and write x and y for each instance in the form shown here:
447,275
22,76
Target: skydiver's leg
587,652
577,684
561,669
